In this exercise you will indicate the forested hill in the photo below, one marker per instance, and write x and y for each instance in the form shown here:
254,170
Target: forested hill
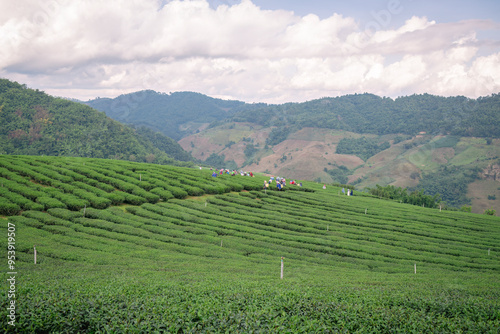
184,113
175,115
367,113
34,123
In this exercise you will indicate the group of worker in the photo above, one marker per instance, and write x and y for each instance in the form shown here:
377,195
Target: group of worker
223,171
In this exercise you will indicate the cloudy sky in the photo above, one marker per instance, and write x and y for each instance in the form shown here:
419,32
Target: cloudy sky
271,51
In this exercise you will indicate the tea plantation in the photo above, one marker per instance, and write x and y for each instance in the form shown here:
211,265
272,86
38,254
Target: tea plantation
126,247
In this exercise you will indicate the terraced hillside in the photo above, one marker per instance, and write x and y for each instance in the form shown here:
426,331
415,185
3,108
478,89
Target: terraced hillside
130,247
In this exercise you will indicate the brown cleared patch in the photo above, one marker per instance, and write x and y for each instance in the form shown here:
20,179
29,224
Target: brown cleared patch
202,145
201,148
324,135
236,153
479,190
443,155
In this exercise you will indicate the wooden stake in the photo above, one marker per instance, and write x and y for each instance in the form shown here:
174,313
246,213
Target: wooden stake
85,208
282,267
488,251
140,177
415,268
205,204
327,227
34,249
221,243
365,210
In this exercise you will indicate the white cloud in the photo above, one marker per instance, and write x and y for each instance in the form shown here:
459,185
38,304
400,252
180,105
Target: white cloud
95,48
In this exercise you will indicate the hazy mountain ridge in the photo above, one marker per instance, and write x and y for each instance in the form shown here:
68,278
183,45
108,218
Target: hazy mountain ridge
175,115
184,113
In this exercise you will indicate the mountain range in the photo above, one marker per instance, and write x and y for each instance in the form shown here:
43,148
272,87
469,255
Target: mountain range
445,145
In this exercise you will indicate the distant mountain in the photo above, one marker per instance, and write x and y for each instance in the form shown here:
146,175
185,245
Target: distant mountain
371,114
175,115
178,115
34,123
463,170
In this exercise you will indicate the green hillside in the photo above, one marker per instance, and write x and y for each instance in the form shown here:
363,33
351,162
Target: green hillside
368,113
185,113
34,123
134,247
175,115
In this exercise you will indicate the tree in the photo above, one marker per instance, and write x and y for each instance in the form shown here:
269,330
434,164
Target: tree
490,212
249,150
466,208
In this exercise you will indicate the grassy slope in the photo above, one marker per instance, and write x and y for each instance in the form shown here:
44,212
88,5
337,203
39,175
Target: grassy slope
161,266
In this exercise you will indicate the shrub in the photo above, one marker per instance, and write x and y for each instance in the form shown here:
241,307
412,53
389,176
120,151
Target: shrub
26,221
45,218
15,198
177,192
466,208
7,208
30,193
73,203
134,200
49,202
94,200
164,194
116,197
151,198
64,213
490,212
193,191
100,202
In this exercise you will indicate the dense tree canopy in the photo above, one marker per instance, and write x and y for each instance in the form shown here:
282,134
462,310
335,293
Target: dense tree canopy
34,123
175,115
368,113
361,147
